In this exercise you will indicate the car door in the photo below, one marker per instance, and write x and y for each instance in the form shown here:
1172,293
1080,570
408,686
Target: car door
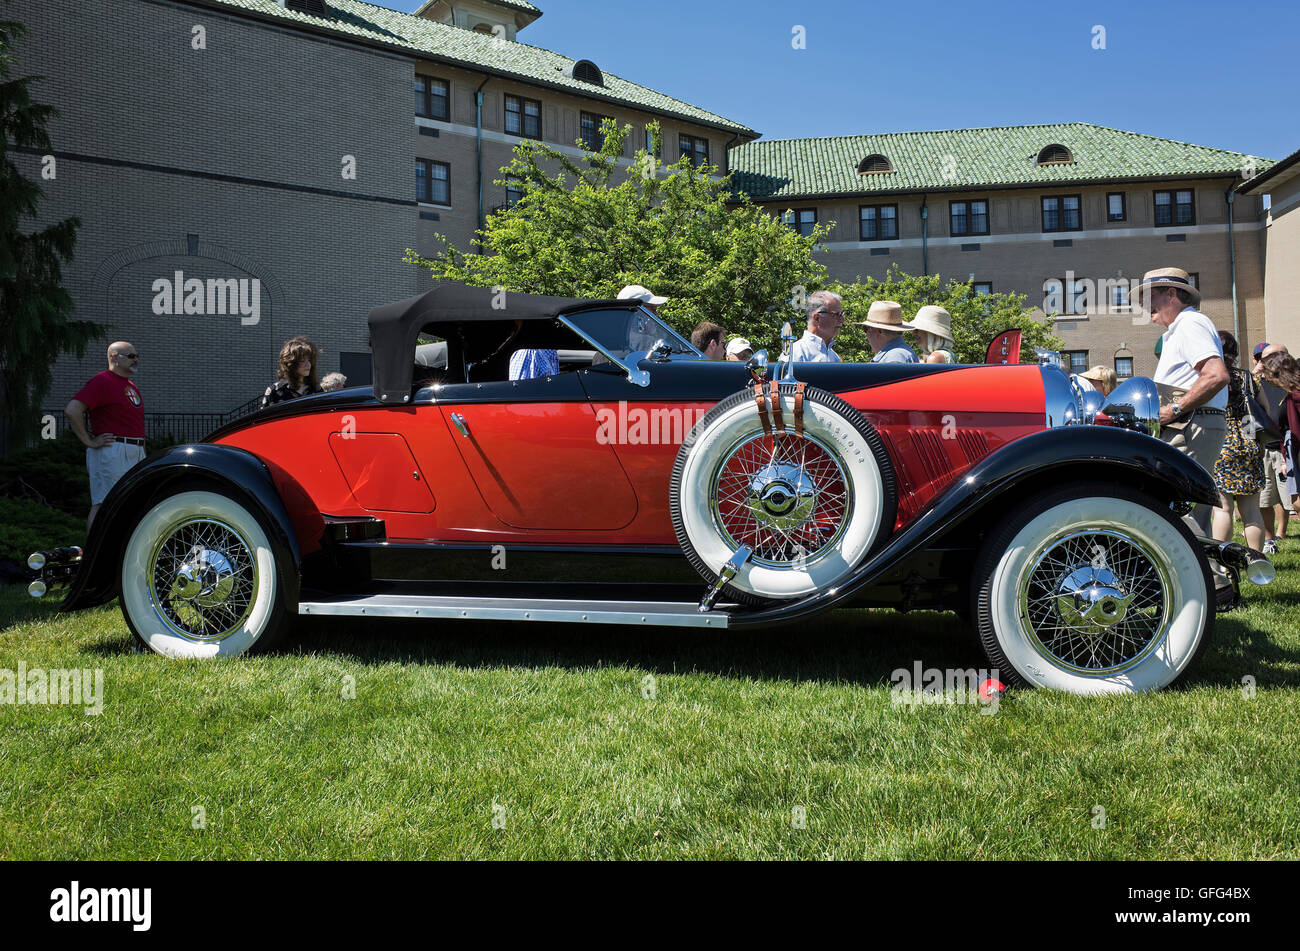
533,451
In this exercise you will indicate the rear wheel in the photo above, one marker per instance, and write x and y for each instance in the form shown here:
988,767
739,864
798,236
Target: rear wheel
1093,589
199,579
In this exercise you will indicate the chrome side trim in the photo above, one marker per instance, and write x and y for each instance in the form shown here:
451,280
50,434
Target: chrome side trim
644,613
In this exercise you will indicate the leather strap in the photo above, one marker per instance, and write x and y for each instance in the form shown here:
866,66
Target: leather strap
798,408
761,399
777,416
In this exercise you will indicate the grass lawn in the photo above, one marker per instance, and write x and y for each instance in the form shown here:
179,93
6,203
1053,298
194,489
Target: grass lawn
474,740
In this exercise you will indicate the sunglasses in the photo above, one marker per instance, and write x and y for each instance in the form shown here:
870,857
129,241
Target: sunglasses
129,356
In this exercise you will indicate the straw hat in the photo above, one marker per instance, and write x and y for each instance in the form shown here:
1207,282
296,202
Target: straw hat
885,315
1169,277
933,319
1096,374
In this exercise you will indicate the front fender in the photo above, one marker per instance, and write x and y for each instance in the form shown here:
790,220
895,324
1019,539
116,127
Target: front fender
1009,476
239,473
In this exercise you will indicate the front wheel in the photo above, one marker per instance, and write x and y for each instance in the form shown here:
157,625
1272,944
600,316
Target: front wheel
1093,589
199,579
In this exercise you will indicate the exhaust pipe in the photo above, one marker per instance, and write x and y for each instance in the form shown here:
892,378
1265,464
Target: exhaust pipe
56,569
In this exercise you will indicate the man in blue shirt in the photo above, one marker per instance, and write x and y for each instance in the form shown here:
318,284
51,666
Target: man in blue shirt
825,310
884,326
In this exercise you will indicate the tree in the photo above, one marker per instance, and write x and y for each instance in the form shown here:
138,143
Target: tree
35,308
586,228
976,318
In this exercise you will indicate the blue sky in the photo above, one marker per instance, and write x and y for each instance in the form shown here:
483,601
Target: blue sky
1223,75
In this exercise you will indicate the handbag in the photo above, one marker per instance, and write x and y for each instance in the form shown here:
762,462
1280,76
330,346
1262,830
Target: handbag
1257,420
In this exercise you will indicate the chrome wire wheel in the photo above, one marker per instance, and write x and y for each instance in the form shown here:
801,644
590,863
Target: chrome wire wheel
1095,602
203,579
783,496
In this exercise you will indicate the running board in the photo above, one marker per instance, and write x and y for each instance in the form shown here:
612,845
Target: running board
637,613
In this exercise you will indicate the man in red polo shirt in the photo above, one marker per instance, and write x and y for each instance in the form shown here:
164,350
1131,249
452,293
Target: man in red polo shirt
115,441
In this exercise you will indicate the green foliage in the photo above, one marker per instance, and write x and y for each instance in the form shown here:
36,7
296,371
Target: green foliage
35,309
976,319
51,471
587,228
27,526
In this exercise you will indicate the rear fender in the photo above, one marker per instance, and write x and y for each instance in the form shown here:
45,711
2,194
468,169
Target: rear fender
1002,482
234,472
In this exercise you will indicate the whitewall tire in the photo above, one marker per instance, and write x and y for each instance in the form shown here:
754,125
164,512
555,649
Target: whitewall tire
1093,589
810,507
199,579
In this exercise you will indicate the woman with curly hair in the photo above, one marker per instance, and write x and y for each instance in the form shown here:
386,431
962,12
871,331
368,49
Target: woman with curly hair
1239,470
299,359
1282,369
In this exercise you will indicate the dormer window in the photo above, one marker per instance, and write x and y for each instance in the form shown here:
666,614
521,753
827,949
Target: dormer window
875,164
1055,155
314,7
585,71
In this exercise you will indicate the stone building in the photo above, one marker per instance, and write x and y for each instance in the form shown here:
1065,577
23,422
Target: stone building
1069,215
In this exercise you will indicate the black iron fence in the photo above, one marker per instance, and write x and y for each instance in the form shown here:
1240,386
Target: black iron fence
172,427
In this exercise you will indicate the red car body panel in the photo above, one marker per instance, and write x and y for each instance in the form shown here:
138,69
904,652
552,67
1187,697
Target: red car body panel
412,468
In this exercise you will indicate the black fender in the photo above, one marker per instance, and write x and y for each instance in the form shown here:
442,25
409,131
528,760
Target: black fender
238,473
1007,477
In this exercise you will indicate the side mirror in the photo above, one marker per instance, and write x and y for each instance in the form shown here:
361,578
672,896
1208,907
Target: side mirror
757,366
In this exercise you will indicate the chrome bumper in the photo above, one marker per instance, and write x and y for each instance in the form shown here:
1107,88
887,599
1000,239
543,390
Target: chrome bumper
55,568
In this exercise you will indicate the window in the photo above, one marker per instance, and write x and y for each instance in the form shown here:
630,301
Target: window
591,135
588,72
877,222
802,221
431,98
1119,299
524,117
1175,208
1061,213
969,217
432,182
1055,155
982,288
654,144
514,192
1078,360
1072,300
695,149
1195,278
875,164
1123,367
1115,207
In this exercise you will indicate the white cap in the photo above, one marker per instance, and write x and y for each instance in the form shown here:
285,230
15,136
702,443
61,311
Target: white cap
637,292
738,346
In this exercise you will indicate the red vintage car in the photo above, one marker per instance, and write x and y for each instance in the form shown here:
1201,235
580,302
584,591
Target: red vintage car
643,484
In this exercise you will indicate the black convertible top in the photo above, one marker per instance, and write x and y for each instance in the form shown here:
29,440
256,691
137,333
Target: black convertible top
394,327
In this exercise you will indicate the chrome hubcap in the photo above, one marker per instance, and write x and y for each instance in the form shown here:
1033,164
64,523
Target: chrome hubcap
1095,602
783,496
202,579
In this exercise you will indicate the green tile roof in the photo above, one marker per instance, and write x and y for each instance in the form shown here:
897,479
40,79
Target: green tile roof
968,158
478,51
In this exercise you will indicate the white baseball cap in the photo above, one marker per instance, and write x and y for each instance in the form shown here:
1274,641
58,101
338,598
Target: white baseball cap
738,346
637,292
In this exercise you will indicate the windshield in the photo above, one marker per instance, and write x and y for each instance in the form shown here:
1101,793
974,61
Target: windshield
622,332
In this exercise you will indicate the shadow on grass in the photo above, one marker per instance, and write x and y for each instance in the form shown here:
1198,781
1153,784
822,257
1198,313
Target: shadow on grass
858,647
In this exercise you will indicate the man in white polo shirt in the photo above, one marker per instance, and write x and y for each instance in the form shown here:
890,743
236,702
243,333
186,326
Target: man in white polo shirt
1191,375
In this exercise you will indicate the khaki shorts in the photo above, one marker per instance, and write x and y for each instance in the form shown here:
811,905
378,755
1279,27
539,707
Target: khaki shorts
1274,491
109,464
1201,439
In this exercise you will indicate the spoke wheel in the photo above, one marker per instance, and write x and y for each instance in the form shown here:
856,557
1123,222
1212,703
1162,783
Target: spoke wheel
1093,589
199,579
810,506
203,578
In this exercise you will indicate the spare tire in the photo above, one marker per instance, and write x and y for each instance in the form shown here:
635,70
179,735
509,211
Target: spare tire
810,507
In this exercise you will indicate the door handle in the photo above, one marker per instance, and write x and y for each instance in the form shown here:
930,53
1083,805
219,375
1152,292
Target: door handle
458,421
